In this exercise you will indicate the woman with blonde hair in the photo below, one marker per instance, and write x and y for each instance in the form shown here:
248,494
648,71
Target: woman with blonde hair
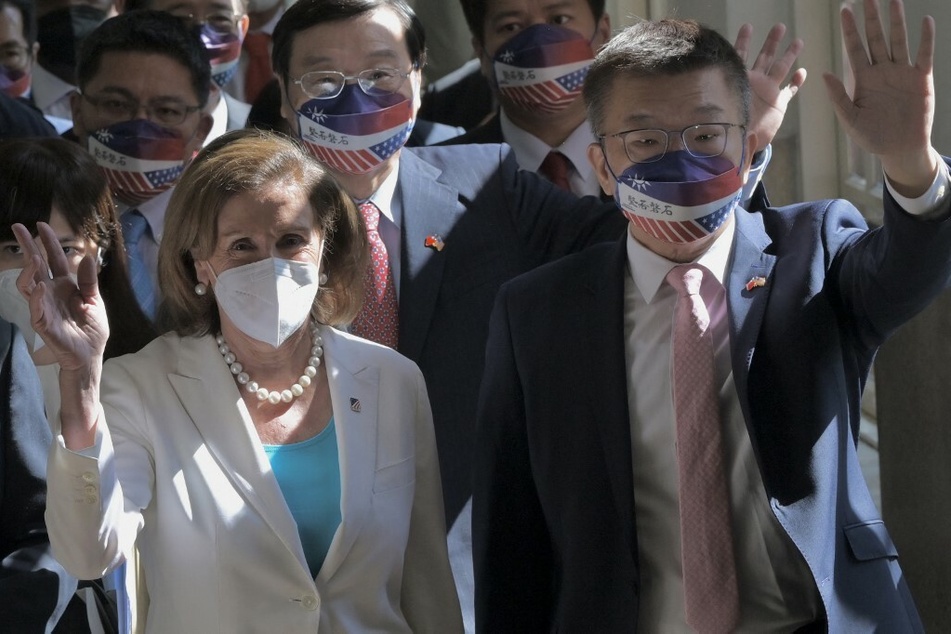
275,473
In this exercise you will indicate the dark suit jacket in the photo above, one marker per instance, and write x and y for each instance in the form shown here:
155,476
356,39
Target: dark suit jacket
555,546
34,588
488,132
496,222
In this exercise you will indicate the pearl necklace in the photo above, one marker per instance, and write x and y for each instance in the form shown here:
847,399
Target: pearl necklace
274,397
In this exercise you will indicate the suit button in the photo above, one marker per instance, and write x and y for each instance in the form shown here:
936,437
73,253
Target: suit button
310,602
91,499
89,476
90,489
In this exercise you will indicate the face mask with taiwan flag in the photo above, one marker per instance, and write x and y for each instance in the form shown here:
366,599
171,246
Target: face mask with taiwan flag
680,198
543,67
224,49
141,159
355,132
15,83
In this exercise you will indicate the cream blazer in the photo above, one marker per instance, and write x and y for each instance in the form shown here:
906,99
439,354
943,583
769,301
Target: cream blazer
178,469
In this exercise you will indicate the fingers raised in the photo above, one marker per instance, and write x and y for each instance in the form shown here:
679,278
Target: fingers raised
54,251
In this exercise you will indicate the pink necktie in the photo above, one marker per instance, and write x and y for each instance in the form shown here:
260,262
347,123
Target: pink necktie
555,168
709,568
378,319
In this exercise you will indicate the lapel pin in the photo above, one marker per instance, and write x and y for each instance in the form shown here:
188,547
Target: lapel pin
434,242
755,282
355,405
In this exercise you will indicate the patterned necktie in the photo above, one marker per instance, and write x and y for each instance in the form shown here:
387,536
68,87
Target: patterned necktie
555,168
259,73
709,567
134,227
378,319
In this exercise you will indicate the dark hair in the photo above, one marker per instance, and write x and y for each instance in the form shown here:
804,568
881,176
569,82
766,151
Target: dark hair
147,32
28,14
245,161
38,174
305,14
475,11
664,47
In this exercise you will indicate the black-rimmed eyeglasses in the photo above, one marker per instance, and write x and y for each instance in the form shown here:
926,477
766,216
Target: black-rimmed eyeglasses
165,112
327,84
703,140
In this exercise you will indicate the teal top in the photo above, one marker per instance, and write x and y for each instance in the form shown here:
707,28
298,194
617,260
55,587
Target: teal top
309,475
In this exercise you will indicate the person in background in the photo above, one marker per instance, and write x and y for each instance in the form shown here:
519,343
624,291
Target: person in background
222,26
536,55
306,495
62,25
56,182
35,591
685,459
18,48
144,80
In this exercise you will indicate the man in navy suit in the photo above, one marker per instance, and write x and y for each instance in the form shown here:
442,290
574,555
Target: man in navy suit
456,222
577,499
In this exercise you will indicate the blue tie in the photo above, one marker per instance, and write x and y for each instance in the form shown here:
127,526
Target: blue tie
134,226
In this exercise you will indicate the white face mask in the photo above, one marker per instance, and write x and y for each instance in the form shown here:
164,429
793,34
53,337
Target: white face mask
15,309
268,300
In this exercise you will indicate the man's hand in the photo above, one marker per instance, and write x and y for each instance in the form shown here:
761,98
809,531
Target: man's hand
770,98
891,109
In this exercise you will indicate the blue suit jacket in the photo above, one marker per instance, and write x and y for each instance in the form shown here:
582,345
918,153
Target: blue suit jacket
555,545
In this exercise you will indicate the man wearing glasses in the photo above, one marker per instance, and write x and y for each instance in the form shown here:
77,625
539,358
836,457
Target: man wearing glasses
144,80
448,225
674,447
222,26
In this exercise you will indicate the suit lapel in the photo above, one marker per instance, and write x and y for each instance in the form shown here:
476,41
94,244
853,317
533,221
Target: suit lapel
354,392
430,208
226,427
747,306
602,357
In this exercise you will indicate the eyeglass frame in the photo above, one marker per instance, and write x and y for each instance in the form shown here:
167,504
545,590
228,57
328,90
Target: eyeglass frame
148,107
402,74
620,136
190,20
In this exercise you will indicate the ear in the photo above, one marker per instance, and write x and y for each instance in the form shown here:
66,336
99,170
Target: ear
603,32
287,108
75,105
243,25
600,164
750,149
202,270
201,132
485,61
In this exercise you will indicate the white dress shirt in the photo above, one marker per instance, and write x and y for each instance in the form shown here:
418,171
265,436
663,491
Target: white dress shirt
531,151
51,94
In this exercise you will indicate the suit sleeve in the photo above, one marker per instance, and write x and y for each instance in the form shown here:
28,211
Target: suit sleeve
34,587
891,273
429,598
96,496
550,221
512,556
